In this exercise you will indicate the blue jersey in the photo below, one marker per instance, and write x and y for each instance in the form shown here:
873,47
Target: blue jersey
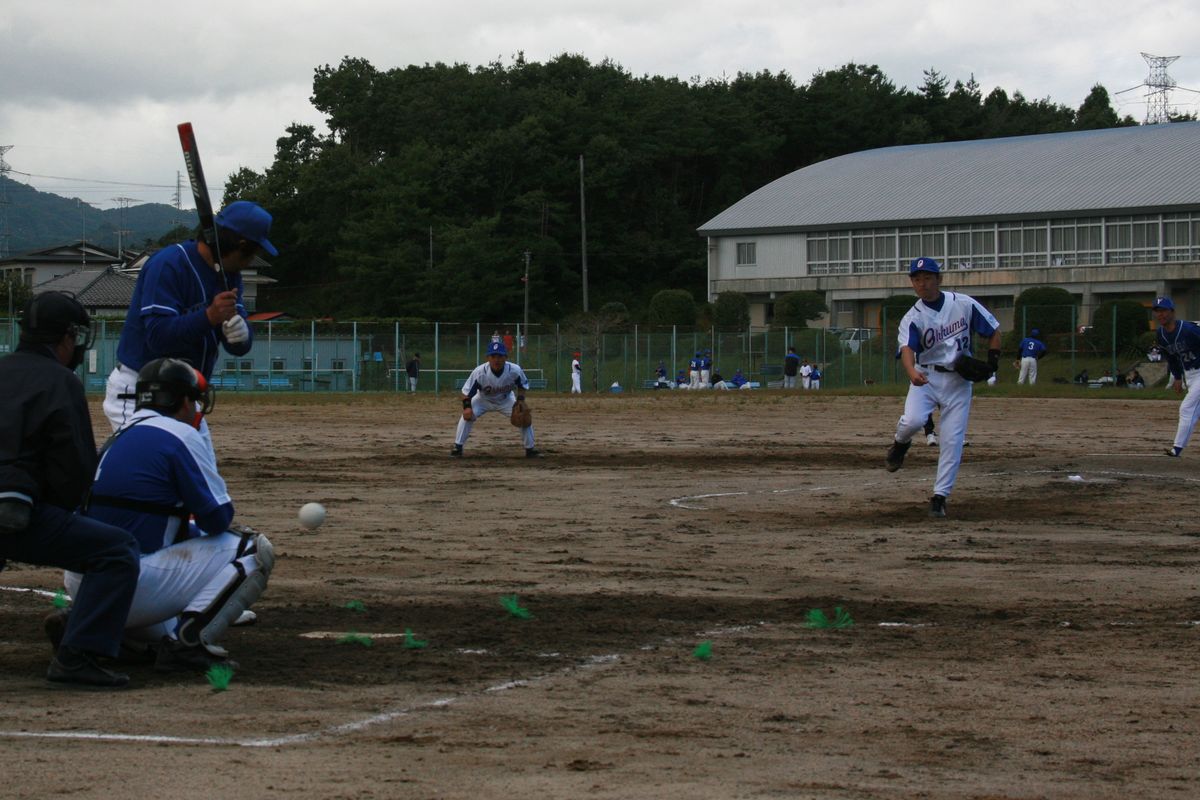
165,464
938,332
1182,347
167,316
1031,348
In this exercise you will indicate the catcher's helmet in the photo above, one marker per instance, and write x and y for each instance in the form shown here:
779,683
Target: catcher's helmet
165,383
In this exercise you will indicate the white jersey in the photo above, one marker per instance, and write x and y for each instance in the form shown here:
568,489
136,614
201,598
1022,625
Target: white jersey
495,388
938,335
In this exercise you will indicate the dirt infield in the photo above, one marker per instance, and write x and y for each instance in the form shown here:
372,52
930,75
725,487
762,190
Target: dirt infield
1041,642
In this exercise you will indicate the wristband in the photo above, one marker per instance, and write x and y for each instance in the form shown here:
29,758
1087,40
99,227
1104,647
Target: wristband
994,358
466,403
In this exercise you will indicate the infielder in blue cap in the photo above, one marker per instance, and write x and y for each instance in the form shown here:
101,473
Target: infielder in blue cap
495,385
932,335
1180,340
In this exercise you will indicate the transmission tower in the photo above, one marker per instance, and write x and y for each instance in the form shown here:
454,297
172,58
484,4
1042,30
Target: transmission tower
178,196
122,230
1157,85
5,234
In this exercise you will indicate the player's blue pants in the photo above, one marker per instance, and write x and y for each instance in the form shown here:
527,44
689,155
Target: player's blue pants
953,395
107,557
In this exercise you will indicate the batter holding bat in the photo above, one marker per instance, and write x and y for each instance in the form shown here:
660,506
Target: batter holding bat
182,308
935,350
496,385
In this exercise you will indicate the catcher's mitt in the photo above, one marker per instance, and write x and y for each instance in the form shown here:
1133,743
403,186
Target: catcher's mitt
521,417
973,369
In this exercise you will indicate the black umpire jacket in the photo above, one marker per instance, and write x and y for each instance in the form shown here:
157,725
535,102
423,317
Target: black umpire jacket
47,449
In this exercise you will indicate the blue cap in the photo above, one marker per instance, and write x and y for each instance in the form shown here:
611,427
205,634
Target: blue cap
497,349
924,264
250,221
1035,333
1164,302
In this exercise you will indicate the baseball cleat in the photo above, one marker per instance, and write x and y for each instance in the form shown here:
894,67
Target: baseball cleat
895,455
533,452
1174,452
931,440
55,625
175,656
457,451
80,669
937,506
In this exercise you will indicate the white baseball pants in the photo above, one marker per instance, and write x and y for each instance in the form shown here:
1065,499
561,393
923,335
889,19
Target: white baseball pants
480,405
1189,409
186,576
1028,370
951,393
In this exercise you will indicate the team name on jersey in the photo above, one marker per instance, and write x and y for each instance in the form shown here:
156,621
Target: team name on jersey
932,336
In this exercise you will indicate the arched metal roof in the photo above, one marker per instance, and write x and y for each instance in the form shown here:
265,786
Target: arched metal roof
1056,174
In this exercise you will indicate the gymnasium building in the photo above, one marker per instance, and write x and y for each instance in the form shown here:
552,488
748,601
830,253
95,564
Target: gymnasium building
1105,214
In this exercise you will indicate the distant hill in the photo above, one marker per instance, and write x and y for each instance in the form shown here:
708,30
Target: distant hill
40,219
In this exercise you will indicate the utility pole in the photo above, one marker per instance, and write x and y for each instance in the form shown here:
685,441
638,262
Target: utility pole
4,232
121,230
583,232
525,280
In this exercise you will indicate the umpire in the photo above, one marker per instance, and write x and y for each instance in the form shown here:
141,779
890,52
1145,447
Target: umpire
47,460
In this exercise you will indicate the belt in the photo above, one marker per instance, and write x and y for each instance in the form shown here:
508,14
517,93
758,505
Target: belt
940,368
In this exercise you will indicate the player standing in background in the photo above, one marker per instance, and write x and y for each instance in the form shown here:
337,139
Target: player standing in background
706,370
413,370
1032,349
934,332
576,375
181,308
815,379
1180,340
198,576
495,385
791,365
694,370
806,371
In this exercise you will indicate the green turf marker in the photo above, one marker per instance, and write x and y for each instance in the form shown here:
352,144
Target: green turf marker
703,651
411,642
513,606
841,619
219,676
356,638
355,605
60,599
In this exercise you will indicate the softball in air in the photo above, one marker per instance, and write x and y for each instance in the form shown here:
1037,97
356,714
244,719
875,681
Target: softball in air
312,515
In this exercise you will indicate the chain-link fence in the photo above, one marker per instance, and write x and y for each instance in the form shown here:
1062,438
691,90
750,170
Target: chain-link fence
316,356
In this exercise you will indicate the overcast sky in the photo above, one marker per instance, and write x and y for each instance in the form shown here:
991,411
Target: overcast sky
91,92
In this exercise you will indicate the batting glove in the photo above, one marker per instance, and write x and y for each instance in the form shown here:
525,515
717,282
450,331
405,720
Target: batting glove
236,330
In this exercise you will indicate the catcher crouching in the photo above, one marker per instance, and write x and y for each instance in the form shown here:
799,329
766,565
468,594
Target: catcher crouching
496,385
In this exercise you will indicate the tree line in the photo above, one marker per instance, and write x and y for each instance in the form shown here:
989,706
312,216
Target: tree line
433,181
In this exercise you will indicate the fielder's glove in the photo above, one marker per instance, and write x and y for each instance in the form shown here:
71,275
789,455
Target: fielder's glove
236,330
521,417
973,369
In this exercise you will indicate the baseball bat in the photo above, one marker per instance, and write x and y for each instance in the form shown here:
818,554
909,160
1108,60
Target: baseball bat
208,225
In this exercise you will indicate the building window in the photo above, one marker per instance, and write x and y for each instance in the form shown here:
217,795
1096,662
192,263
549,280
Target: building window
746,254
247,365
338,363
829,253
231,365
308,365
277,365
